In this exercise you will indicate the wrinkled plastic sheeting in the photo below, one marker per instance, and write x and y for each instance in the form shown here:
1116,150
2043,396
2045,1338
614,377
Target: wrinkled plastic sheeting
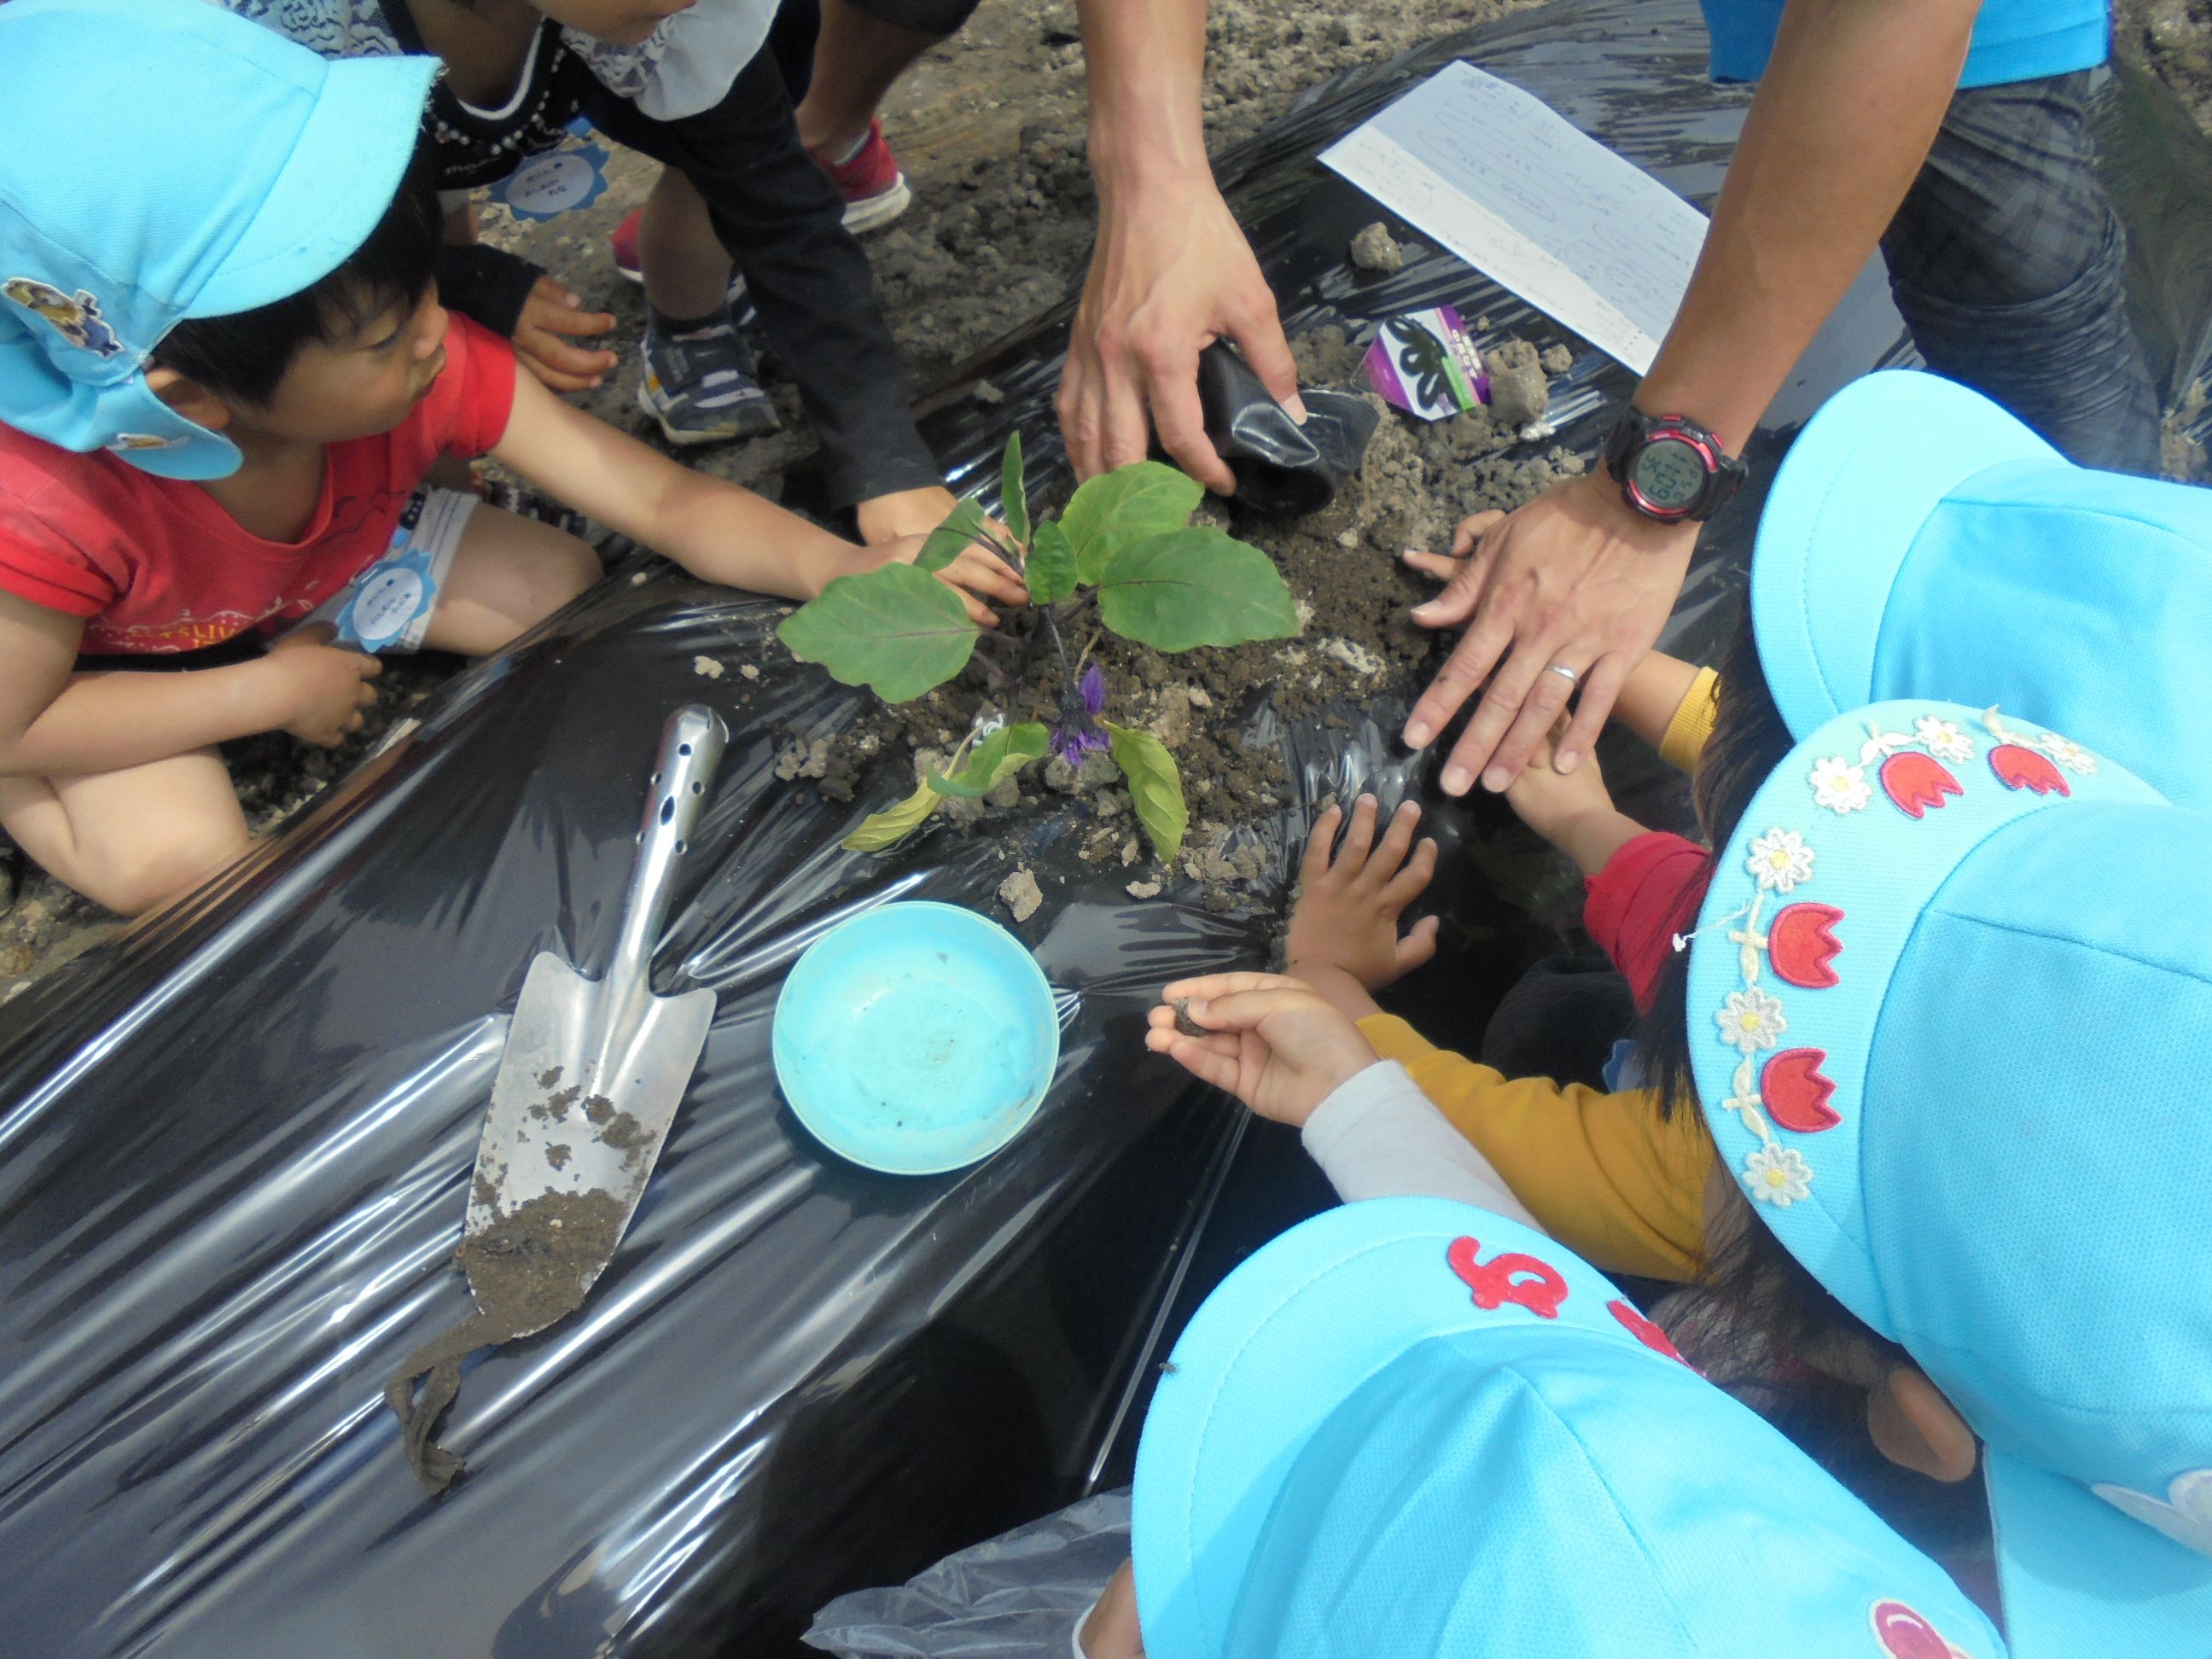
235,1144
1015,1596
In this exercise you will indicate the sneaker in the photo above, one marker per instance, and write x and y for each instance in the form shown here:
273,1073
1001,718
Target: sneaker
874,189
624,240
701,387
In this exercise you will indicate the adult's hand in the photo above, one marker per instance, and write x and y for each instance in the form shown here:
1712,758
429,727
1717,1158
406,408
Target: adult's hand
1171,274
1575,578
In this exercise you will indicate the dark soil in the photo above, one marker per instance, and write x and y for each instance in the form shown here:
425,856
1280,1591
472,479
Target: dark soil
530,1268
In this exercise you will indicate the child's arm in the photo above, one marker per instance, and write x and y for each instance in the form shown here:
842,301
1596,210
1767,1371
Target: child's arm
1652,692
1279,1047
53,720
712,528
1574,812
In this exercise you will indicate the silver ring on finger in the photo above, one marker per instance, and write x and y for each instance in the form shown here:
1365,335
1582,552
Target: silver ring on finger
1565,673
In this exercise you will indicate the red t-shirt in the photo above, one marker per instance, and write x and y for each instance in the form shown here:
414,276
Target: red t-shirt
154,564
1648,892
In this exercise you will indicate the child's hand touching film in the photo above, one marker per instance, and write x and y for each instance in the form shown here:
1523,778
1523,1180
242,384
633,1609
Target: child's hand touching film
1275,1043
1346,914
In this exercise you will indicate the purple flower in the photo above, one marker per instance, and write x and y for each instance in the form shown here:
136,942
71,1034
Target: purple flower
1078,734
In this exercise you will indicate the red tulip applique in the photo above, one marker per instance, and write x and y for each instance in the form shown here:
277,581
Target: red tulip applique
1796,1093
2019,767
1801,944
1917,782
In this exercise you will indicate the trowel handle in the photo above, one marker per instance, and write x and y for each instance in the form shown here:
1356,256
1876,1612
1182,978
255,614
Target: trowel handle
691,746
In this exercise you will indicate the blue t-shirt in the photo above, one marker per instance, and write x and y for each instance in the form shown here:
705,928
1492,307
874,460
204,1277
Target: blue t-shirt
2013,39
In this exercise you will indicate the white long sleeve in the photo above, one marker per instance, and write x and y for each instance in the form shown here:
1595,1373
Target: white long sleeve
1378,1136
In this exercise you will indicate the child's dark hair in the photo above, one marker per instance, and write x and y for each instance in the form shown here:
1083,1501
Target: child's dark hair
1746,1266
246,355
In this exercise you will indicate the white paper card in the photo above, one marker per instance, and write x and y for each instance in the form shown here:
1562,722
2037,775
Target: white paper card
1534,203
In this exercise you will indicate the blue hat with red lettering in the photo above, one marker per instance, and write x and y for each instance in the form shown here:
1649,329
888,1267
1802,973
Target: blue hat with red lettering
1411,1429
1921,542
1950,1013
123,213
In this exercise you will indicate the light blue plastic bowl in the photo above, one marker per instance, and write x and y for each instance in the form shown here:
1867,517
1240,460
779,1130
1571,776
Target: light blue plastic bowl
916,1038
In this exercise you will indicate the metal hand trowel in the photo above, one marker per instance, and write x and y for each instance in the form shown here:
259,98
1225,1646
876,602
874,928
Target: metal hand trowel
594,1072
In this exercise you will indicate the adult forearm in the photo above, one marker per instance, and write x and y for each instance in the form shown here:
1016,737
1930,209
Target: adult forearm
1146,62
104,721
1852,102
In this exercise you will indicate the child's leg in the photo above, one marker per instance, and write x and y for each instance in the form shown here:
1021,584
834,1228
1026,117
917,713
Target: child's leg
509,574
685,266
130,840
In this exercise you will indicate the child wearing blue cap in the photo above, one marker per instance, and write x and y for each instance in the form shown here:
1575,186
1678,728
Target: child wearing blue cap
224,376
1416,1425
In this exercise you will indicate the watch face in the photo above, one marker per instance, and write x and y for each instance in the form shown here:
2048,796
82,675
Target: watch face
1669,474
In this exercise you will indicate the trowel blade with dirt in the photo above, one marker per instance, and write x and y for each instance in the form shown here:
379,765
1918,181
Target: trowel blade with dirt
593,1075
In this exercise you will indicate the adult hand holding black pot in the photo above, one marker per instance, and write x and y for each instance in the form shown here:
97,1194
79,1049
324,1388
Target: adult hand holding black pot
1171,272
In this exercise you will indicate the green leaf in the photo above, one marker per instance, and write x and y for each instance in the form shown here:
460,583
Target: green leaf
895,629
1155,785
1013,498
1126,505
1193,588
1052,565
962,525
888,828
1005,752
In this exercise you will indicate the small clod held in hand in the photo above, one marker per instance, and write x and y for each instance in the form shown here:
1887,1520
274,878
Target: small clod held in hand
1184,1022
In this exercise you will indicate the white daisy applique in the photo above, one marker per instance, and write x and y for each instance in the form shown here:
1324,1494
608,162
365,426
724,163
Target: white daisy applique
1777,1175
1840,787
1751,1020
2067,753
1942,738
1779,860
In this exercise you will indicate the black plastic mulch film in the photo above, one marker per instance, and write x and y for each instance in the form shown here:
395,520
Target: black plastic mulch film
235,1147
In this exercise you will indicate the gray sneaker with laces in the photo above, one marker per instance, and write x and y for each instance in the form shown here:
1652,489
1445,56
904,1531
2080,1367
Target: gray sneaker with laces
700,386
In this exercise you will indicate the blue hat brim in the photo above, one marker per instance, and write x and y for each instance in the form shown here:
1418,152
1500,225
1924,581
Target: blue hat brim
2080,1578
1296,1329
1852,493
345,167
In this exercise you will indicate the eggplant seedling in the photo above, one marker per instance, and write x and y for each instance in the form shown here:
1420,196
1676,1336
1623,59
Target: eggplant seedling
1123,554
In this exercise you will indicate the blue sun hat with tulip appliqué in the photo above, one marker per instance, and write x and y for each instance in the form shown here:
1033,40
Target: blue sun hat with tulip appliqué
118,220
1951,1013
1412,1429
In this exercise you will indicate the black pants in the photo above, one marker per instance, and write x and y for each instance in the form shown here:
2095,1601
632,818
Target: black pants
2008,265
782,222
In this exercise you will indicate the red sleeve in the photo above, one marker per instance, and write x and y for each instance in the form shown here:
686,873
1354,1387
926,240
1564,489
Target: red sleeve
1648,892
40,564
467,410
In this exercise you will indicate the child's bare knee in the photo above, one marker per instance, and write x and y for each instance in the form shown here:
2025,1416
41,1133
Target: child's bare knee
136,879
573,573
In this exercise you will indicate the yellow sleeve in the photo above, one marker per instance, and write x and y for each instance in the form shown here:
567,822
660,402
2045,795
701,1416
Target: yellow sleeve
1603,1173
1692,722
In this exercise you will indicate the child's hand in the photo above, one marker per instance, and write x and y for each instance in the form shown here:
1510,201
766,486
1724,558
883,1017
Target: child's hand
904,512
551,311
325,688
1347,910
977,575
1109,1630
1275,1043
1573,810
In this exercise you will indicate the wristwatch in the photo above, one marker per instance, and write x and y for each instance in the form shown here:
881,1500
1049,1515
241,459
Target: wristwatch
1671,468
